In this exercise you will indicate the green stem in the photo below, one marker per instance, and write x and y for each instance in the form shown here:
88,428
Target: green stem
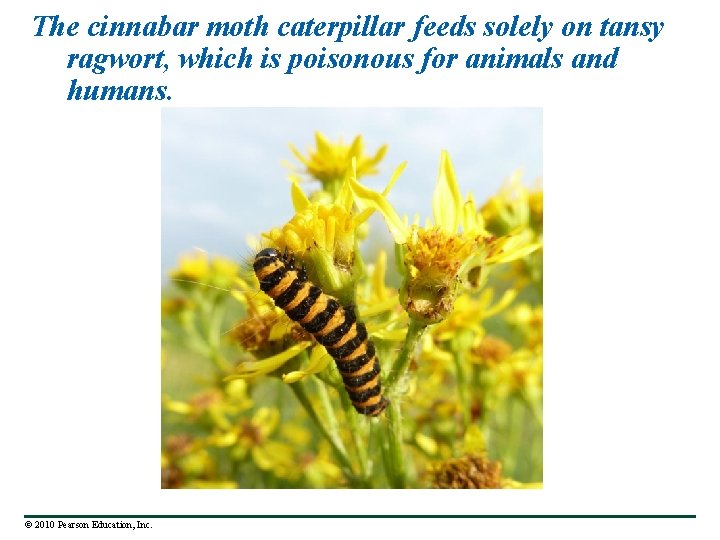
400,366
378,434
537,415
395,462
462,385
480,392
339,451
514,429
333,187
207,343
220,362
217,315
357,431
329,412
528,427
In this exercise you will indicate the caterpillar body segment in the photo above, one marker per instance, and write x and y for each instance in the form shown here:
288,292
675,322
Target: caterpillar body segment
333,325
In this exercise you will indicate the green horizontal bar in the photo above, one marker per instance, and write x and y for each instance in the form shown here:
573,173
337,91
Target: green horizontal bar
368,516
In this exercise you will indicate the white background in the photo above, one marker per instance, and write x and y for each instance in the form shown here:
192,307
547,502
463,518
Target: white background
631,358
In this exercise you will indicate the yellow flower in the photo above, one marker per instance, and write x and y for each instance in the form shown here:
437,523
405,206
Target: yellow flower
213,406
252,437
535,201
329,163
265,329
469,313
197,268
258,332
319,468
178,445
512,207
175,305
322,236
474,441
520,373
319,360
184,462
457,332
192,268
515,208
528,320
256,368
455,248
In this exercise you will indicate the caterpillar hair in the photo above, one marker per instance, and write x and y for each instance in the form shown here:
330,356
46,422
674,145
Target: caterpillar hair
332,325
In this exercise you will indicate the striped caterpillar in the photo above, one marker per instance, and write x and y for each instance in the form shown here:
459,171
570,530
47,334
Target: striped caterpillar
333,325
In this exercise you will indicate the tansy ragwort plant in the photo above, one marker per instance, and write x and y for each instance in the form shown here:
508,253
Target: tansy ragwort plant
460,344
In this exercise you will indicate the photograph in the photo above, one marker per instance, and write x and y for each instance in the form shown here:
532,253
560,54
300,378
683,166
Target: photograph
352,298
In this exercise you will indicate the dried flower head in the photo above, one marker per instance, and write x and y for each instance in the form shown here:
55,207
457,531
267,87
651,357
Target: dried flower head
468,472
491,350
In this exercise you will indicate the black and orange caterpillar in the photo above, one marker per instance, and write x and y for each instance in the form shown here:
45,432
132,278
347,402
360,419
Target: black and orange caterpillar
333,325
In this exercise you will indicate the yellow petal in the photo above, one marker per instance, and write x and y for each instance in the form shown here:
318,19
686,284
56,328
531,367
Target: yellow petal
394,178
330,227
223,440
371,199
296,434
509,255
356,148
428,444
390,335
344,197
485,298
266,419
323,145
319,234
279,329
505,301
299,199
474,441
379,307
378,275
239,296
446,201
319,359
253,241
179,407
366,210
380,154
262,458
472,221
294,376
210,484
298,155
248,370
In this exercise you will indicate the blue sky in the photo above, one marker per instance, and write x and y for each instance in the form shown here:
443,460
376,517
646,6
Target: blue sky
223,172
